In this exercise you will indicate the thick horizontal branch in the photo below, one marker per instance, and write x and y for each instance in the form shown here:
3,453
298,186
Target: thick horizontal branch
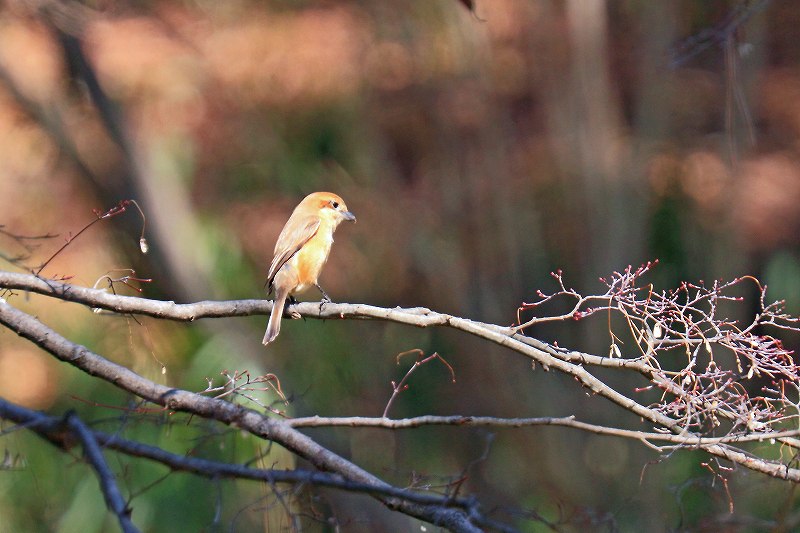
168,310
419,316
570,362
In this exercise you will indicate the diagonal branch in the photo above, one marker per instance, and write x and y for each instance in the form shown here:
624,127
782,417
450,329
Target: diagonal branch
108,484
234,415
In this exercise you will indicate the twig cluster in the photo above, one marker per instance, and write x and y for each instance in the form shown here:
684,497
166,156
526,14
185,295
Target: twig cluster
240,383
737,378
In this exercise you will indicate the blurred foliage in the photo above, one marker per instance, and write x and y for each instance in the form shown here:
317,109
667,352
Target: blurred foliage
479,151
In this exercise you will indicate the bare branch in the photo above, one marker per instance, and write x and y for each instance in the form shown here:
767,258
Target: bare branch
245,419
418,316
694,399
93,453
397,388
51,429
118,209
567,421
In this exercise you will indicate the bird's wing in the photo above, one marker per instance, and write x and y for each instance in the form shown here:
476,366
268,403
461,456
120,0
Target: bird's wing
291,239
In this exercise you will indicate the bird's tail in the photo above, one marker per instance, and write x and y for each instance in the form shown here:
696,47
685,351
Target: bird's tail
274,326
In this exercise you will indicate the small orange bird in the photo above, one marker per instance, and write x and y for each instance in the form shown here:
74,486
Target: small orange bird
302,250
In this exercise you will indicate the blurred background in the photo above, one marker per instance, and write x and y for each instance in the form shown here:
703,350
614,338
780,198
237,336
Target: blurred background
480,150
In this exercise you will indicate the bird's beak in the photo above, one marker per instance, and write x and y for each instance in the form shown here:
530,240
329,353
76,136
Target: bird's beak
349,216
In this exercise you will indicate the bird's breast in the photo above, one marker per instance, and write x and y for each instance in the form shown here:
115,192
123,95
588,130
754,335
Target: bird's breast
311,258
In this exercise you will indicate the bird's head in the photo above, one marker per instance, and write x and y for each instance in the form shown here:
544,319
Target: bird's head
330,207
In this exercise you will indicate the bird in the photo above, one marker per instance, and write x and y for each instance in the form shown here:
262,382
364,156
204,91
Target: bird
302,250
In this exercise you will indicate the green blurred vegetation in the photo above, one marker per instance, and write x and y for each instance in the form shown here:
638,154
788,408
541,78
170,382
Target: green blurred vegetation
479,152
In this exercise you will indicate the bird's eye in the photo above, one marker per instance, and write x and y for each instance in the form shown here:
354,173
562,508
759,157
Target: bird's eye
335,205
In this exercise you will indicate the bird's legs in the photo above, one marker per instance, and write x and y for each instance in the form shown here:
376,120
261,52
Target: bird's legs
325,298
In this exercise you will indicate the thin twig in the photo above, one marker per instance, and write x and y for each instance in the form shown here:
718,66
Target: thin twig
498,422
397,388
114,211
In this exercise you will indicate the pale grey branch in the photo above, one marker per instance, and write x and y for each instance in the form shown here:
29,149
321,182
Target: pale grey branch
569,362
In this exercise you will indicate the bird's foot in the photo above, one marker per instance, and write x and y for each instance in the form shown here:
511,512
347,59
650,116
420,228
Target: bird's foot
325,298
294,315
